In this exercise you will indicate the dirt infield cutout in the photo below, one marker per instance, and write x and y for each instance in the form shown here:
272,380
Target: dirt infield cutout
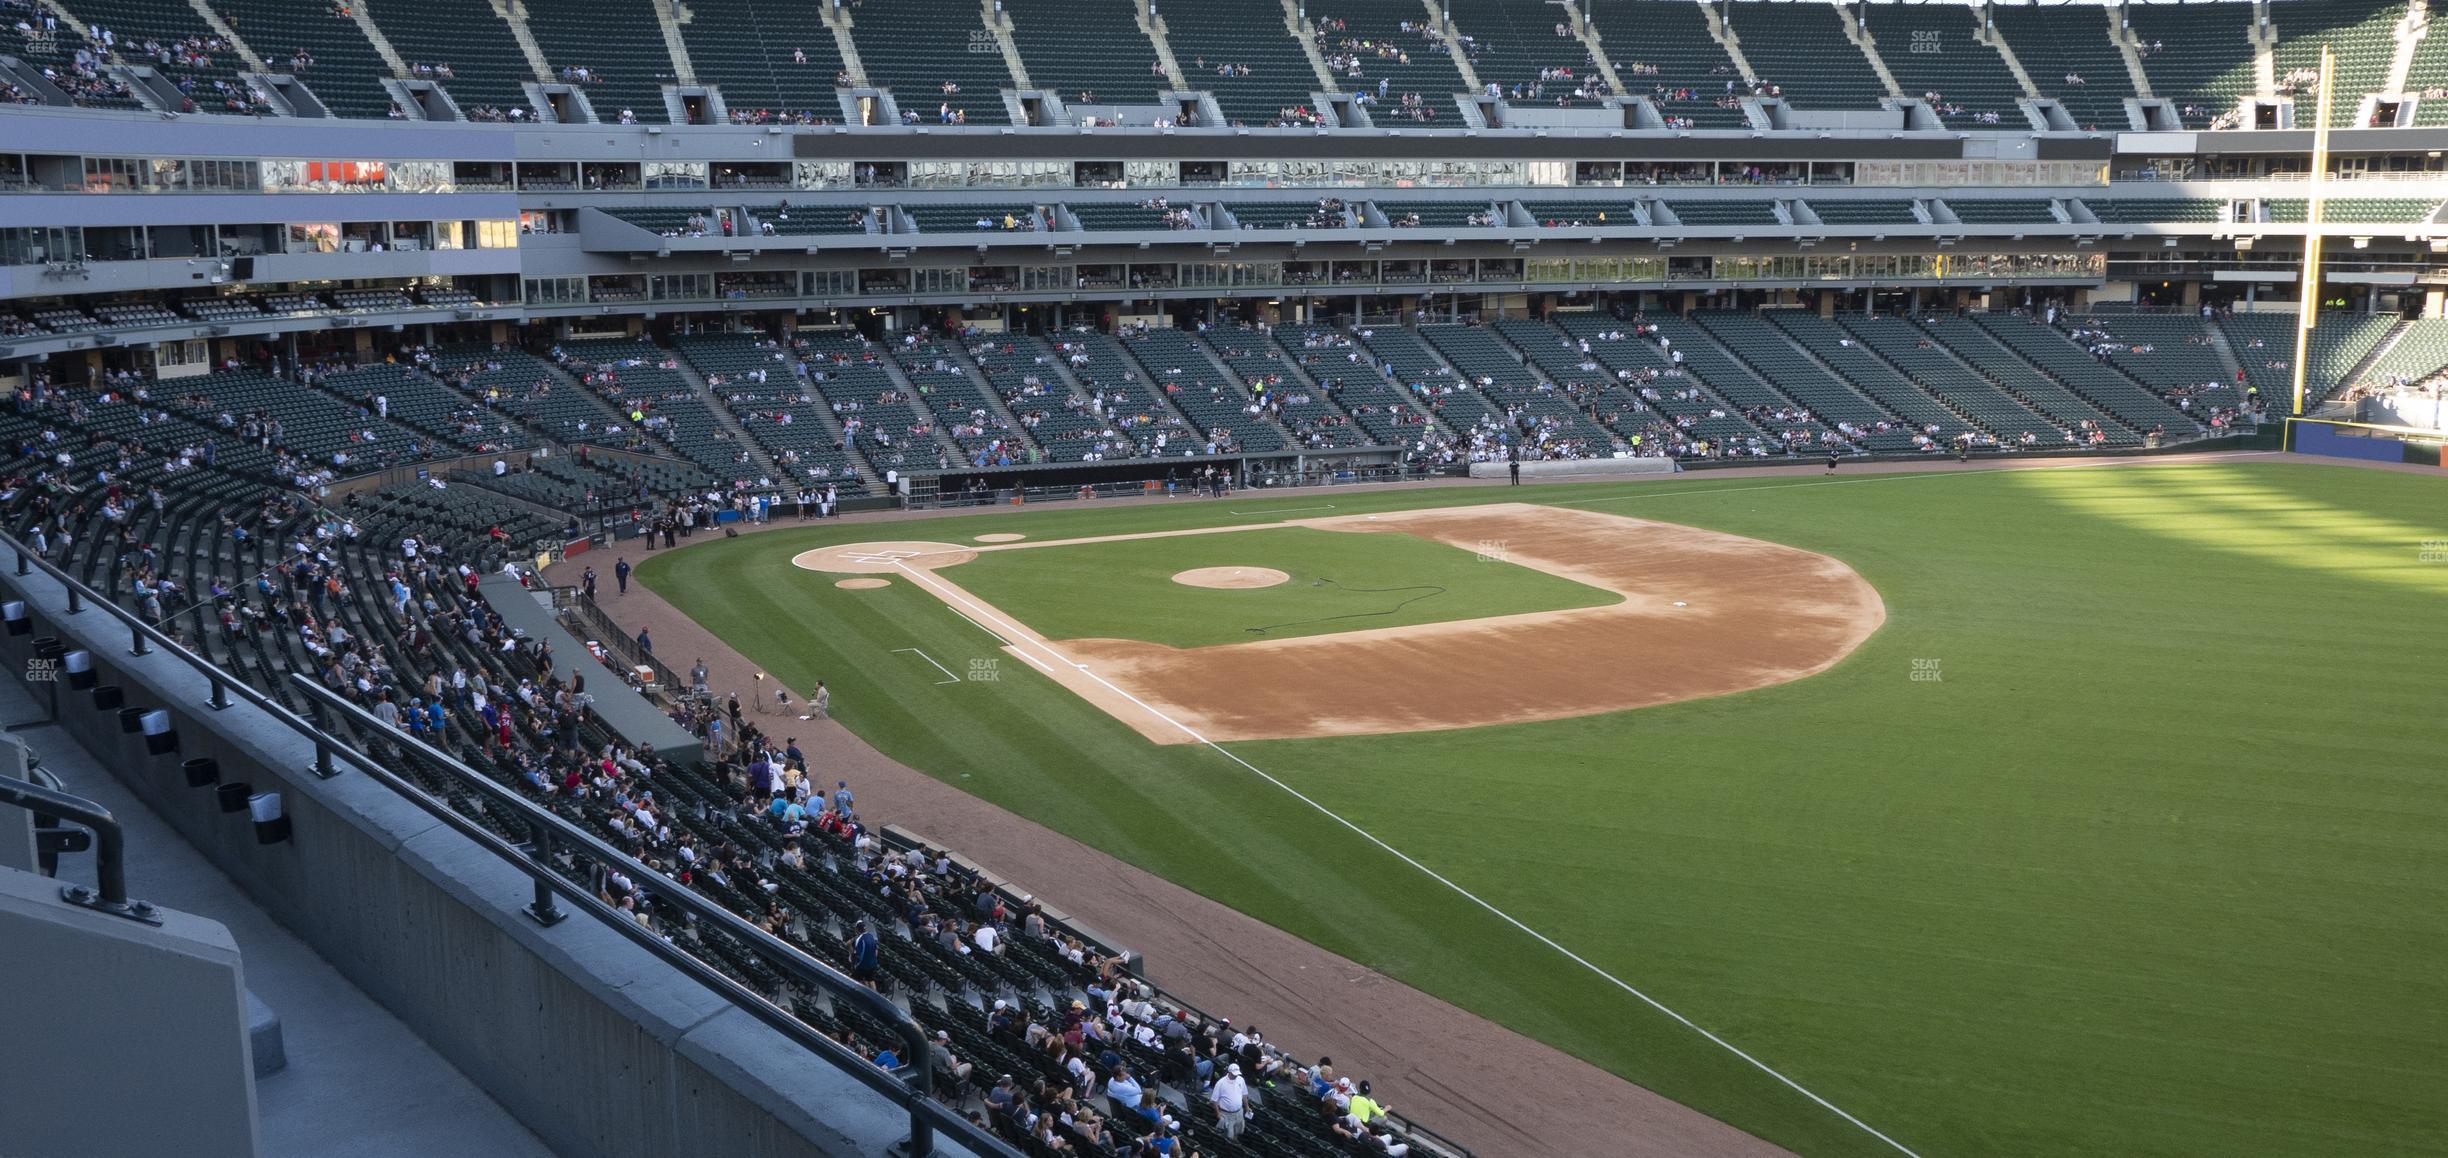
1232,578
862,584
881,558
1704,614
1001,537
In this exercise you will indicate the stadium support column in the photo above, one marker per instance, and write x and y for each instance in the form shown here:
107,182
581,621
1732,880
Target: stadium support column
2313,212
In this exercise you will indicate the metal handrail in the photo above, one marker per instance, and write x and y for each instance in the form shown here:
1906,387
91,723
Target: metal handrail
913,1088
144,637
110,847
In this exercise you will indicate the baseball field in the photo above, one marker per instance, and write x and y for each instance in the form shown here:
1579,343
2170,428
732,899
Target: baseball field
2030,812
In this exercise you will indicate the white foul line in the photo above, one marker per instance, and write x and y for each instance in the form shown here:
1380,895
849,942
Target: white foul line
950,678
949,594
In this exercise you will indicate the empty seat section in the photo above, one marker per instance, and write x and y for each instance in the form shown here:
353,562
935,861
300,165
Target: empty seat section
618,43
1427,379
1802,50
2158,210
2065,49
487,68
2096,382
2198,55
1514,43
1883,212
1931,50
876,414
977,217
937,58
1106,215
2356,210
670,220
1242,52
1578,214
2171,353
1852,361
1763,351
769,56
2084,421
2362,34
2264,345
1083,49
339,63
1328,213
2002,211
791,219
2418,356
1713,213
1437,214
1661,49
2003,419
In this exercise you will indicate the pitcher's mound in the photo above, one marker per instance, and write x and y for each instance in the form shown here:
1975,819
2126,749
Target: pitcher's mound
862,584
881,558
1232,578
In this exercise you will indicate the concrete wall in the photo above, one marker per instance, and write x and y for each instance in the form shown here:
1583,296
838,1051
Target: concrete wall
590,1041
128,1041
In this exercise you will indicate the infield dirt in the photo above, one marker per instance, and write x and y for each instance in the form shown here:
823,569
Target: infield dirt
1703,614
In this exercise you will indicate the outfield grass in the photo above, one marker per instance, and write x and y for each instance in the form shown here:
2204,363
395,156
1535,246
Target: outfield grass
1340,581
2154,866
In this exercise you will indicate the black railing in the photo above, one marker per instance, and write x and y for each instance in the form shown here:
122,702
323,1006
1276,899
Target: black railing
110,847
911,1086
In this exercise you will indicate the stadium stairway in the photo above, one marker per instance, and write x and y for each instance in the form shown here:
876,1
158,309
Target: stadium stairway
1981,349
1307,412
2098,382
1197,382
729,422
1767,352
1333,361
1837,351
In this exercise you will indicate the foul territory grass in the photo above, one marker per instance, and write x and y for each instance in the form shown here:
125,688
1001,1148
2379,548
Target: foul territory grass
2126,834
1339,581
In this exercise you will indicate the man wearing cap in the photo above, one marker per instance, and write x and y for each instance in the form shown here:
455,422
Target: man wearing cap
1231,1096
946,1061
1003,1095
1365,1108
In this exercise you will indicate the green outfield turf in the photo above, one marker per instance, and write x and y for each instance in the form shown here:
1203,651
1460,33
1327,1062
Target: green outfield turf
2126,835
1340,581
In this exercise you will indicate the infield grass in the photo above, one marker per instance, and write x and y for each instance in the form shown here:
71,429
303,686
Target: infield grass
1340,581
2126,835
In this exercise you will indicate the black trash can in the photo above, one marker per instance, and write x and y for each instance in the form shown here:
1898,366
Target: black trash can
233,797
108,698
202,771
131,720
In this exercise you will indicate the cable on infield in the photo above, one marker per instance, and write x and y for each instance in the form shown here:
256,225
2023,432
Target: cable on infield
1427,592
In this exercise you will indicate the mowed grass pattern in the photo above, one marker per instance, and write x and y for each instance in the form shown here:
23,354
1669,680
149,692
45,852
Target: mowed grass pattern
2154,866
1340,581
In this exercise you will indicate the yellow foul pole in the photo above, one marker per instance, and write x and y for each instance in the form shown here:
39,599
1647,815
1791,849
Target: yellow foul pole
2313,212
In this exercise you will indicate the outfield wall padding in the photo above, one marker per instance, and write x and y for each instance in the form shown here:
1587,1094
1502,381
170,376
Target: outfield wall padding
1578,468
